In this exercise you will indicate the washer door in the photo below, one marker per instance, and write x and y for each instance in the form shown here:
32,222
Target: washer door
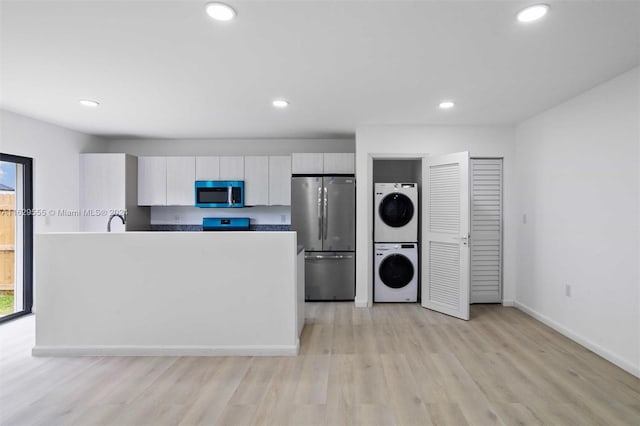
396,210
396,271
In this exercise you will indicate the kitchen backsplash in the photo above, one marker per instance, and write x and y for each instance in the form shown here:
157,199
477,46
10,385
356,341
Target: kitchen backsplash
180,215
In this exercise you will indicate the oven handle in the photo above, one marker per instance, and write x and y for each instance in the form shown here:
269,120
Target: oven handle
229,199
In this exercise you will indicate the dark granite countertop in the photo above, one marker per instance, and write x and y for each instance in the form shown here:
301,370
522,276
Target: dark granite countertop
197,228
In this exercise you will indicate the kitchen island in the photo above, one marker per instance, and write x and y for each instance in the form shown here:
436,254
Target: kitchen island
169,293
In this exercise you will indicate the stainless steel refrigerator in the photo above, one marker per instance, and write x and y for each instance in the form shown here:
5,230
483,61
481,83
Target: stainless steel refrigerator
323,212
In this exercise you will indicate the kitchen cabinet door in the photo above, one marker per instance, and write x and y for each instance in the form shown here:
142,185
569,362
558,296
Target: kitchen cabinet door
102,187
208,168
256,180
279,180
307,163
339,163
152,181
181,173
232,168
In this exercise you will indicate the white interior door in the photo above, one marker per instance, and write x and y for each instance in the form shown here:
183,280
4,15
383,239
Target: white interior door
445,232
486,230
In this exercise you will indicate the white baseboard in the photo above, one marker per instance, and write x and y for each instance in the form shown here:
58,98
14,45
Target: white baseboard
508,303
362,303
276,350
604,353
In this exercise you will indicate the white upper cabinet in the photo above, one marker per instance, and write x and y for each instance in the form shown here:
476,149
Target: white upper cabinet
109,183
256,180
339,163
181,172
152,181
208,168
279,180
327,163
307,163
103,186
232,168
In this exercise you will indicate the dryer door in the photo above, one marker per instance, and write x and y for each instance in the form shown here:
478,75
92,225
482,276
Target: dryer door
396,271
396,210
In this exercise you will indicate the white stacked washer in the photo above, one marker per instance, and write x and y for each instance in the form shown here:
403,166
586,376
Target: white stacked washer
396,266
395,237
396,213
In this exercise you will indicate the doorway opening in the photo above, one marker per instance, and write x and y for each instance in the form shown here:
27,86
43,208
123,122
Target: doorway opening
16,236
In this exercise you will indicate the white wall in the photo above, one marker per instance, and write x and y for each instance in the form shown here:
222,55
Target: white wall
55,162
171,147
411,141
579,185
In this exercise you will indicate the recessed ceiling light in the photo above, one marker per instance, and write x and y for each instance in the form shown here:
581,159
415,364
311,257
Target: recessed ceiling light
89,103
220,11
533,13
280,103
446,104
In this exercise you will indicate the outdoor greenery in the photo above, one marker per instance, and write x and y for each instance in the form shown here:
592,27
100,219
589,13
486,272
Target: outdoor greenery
6,304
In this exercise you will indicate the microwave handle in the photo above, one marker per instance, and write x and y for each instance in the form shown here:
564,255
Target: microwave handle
229,196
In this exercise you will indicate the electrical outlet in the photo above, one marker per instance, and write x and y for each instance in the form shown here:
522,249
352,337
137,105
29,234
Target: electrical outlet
567,290
524,219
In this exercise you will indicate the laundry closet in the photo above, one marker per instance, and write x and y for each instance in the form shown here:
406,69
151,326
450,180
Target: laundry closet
398,240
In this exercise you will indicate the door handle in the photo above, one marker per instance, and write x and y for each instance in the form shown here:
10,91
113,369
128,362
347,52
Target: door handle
464,239
325,213
320,213
229,192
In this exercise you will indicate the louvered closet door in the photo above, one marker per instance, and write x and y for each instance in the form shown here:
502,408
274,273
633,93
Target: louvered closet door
445,249
486,230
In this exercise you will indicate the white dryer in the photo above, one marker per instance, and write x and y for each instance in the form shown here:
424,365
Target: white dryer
396,272
396,213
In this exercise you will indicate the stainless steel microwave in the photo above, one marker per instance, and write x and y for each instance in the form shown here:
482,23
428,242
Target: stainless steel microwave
219,193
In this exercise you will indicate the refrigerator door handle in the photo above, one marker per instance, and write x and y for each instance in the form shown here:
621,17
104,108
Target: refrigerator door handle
320,213
329,257
326,213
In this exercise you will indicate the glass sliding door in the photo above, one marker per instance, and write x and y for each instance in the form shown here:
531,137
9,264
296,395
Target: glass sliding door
16,236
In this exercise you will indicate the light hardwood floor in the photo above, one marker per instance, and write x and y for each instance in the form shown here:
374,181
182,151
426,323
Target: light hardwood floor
392,364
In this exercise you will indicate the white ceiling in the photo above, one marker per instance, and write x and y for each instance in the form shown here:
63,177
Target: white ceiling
165,69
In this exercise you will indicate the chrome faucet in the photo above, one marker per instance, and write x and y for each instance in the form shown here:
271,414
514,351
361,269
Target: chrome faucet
124,220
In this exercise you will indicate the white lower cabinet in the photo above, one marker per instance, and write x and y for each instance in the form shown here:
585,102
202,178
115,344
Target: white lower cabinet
181,174
152,181
279,180
256,180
